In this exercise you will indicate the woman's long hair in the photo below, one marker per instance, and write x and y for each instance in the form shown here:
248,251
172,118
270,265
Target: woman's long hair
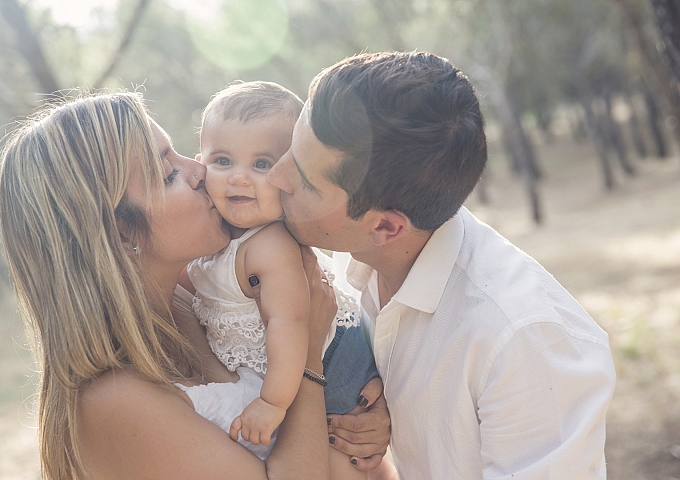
80,289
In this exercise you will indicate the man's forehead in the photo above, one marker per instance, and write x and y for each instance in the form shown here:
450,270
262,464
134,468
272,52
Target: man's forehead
308,151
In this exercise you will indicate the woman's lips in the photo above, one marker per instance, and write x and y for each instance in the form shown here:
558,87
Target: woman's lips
238,199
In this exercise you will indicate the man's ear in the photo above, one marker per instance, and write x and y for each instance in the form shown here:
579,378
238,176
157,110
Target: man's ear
387,226
198,157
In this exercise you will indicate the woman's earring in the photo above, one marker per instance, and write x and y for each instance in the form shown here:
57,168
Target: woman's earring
137,250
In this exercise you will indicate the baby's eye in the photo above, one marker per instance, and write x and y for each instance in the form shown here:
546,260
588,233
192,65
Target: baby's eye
262,164
223,161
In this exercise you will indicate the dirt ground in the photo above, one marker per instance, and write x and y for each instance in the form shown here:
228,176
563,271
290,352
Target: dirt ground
617,252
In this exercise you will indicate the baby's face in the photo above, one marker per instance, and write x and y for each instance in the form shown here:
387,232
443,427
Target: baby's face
237,157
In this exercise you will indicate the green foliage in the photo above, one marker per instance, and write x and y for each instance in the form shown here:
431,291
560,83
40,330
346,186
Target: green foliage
529,51
240,35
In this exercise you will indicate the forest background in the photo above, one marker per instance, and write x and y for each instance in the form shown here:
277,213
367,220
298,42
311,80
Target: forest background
582,105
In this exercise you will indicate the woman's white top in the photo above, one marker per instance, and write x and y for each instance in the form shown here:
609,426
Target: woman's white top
220,403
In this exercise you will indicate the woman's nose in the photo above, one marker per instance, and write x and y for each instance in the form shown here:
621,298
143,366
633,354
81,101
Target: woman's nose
197,179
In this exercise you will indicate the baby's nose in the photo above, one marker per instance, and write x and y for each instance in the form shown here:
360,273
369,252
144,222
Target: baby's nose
239,177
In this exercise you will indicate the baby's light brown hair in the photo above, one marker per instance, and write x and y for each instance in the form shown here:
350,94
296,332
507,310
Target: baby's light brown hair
247,101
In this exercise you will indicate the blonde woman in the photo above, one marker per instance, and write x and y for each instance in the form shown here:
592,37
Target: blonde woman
98,216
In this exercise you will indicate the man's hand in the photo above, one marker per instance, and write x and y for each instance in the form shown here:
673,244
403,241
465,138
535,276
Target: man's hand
363,433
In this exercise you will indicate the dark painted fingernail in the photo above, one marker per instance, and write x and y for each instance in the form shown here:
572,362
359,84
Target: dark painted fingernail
254,280
331,440
354,461
328,421
363,401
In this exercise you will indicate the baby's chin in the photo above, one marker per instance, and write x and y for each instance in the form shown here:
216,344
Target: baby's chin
240,226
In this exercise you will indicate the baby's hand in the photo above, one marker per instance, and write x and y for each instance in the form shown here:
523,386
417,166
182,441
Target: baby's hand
257,422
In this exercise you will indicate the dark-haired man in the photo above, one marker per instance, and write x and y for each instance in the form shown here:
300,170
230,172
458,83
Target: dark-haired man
490,368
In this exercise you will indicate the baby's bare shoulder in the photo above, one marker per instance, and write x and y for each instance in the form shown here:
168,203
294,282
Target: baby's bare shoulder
275,235
271,247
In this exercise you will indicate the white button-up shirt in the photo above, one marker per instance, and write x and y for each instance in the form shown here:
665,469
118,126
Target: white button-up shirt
491,369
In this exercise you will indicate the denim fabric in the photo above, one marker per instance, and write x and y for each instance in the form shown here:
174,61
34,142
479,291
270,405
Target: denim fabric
348,365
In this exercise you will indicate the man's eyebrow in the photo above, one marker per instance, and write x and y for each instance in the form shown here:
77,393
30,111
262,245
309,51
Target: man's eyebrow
302,174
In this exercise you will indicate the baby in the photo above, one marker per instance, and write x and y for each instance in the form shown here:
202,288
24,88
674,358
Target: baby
246,128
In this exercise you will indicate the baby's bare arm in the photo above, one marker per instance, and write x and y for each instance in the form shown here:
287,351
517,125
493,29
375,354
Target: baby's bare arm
274,256
257,422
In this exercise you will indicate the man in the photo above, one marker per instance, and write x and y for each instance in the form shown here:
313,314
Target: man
490,368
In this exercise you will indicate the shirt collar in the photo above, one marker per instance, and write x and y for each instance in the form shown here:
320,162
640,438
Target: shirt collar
427,279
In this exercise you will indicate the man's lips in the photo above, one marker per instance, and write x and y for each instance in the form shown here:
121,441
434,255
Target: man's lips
240,199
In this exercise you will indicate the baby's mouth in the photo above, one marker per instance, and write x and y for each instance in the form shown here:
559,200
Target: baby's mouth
240,199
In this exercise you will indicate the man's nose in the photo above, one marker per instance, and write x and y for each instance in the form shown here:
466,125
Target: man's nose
278,175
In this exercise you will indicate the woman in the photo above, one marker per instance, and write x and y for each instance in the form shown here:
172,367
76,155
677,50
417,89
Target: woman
98,216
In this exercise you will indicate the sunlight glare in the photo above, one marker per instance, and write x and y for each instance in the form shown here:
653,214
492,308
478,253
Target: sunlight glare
236,34
75,13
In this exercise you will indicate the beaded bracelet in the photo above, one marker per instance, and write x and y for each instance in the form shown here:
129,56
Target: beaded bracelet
323,383
316,374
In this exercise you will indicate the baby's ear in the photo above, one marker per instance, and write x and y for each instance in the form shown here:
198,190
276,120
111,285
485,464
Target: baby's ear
198,157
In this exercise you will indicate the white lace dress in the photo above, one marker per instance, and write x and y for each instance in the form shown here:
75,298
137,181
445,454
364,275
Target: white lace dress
221,403
233,324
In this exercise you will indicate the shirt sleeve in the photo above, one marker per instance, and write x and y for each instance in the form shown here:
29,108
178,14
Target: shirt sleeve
543,403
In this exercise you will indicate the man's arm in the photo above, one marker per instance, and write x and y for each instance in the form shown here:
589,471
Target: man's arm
543,403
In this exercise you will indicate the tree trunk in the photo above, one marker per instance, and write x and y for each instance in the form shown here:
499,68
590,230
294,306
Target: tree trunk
577,126
521,153
130,29
663,80
667,13
535,201
616,138
600,143
656,125
28,47
636,131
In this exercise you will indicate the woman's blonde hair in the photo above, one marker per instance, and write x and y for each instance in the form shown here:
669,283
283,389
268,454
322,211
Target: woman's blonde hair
80,289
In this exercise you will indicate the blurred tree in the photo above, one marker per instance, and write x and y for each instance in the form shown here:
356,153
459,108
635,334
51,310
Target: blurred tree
21,37
667,14
27,45
660,77
530,60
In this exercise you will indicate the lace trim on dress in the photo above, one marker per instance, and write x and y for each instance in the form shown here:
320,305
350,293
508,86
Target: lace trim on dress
236,338
348,310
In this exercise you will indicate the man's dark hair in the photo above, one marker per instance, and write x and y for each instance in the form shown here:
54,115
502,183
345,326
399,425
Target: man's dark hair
411,131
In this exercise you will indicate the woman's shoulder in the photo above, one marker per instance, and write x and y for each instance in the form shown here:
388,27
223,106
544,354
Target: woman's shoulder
130,427
124,391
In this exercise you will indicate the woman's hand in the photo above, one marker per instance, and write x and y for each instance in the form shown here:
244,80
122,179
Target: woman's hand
322,306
